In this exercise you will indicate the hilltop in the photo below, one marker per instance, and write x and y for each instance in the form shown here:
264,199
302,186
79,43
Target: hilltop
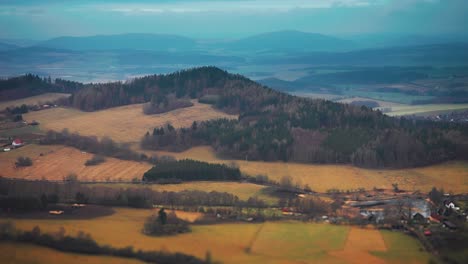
276,126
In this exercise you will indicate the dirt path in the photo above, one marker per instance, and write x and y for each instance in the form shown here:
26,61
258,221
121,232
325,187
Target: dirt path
358,245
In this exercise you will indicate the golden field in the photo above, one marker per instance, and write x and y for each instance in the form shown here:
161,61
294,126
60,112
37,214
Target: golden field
57,162
270,242
33,100
452,176
18,253
124,123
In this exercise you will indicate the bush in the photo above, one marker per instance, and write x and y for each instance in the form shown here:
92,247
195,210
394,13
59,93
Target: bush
162,225
23,162
95,160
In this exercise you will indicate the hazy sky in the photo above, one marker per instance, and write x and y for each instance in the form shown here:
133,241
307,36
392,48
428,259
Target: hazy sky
230,18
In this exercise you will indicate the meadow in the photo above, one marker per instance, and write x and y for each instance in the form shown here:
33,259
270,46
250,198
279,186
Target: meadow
123,124
270,242
33,100
452,176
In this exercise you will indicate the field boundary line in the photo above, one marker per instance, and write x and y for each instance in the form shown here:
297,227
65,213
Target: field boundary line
248,249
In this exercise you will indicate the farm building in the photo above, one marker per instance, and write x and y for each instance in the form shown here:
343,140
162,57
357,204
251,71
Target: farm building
17,143
449,225
436,218
418,217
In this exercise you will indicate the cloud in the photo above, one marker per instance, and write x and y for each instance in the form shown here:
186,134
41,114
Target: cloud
241,6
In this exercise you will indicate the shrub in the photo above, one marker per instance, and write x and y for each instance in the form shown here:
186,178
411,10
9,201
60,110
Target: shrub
95,160
23,162
162,225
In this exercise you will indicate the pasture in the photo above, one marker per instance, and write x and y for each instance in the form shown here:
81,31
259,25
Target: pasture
56,162
19,253
33,100
452,176
270,242
122,124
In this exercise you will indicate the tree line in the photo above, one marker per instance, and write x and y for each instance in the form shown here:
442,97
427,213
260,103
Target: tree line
105,146
26,195
192,170
30,84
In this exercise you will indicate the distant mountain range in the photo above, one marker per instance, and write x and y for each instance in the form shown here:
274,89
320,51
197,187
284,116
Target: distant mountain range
290,41
123,56
274,41
121,42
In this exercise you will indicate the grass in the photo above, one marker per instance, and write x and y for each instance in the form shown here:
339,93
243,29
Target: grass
242,190
400,248
123,124
25,130
19,253
33,100
57,162
271,242
452,176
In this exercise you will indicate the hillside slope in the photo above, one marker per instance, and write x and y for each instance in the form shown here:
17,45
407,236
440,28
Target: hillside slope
276,126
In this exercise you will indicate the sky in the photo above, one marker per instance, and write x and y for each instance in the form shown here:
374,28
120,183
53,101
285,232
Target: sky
221,19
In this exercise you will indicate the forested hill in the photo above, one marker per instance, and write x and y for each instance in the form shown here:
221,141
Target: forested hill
30,85
277,126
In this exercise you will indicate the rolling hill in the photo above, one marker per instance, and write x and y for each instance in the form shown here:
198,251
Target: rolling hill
275,126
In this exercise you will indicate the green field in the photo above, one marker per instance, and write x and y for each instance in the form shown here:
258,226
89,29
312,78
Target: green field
398,248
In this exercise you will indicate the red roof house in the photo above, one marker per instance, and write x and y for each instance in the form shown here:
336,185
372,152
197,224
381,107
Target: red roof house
17,142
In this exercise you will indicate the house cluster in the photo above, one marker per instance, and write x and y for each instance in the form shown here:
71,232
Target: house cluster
16,143
448,211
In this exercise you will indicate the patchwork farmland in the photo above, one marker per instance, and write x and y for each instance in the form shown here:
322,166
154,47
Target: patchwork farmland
452,176
271,242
